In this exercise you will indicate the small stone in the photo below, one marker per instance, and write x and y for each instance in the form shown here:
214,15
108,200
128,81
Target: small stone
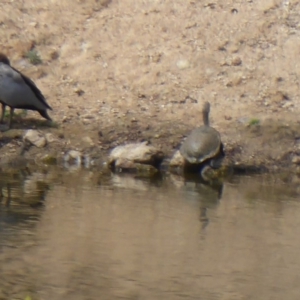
296,160
88,141
79,91
287,104
33,24
177,160
65,119
49,137
104,2
73,156
183,64
236,61
35,138
88,116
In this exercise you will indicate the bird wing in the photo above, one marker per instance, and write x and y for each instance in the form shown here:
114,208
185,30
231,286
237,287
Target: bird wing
34,88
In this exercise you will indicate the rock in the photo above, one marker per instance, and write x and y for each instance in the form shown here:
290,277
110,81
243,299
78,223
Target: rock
88,141
49,159
86,121
65,119
127,156
35,138
49,137
183,64
105,2
73,156
77,158
177,160
236,61
296,160
78,91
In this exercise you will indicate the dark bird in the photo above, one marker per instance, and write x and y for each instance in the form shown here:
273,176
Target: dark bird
19,91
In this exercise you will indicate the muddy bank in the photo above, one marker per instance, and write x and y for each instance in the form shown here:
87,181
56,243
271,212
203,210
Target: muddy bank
250,145
144,76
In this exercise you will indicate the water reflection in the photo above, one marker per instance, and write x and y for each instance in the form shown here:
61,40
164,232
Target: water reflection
23,187
20,192
86,235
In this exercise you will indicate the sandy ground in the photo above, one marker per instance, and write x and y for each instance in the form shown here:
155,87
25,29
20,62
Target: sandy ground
124,70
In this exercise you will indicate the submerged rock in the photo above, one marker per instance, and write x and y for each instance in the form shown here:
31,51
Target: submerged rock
73,156
132,156
77,158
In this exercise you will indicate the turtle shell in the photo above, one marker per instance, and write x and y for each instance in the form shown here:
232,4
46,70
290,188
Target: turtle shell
202,143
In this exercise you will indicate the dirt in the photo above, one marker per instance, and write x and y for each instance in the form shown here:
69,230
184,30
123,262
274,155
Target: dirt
127,71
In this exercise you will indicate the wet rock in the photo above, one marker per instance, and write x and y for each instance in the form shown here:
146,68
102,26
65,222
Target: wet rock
35,138
73,156
49,159
177,160
128,156
296,160
77,158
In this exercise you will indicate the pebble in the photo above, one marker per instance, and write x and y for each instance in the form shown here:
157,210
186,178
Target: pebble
183,64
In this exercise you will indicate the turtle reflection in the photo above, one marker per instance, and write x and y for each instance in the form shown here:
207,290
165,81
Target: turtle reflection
208,194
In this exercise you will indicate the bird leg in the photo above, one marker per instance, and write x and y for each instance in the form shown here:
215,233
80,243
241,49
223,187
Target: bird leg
11,116
3,113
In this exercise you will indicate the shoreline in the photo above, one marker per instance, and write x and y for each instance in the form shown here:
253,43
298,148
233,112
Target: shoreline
268,146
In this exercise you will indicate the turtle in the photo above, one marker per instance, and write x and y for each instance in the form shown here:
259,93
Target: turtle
203,146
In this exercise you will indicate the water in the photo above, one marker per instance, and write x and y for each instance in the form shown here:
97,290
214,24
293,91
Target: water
82,235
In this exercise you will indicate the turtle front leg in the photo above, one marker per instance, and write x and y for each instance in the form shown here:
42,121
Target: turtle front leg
3,112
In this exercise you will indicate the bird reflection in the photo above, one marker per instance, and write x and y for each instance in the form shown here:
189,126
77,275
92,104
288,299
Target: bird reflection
19,187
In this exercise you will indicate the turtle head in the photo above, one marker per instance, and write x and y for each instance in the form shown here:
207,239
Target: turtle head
205,113
4,59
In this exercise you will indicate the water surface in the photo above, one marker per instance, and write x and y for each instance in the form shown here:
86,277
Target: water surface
81,235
